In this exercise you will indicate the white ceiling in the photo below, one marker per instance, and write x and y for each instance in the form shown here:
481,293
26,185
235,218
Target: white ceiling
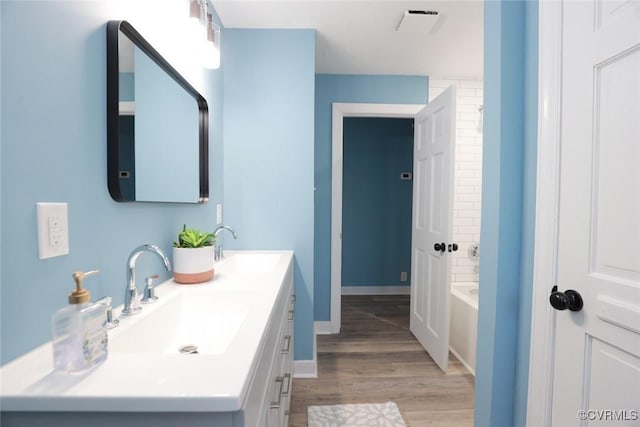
359,36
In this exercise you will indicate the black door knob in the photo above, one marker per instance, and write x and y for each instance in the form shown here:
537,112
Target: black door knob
441,247
568,299
453,247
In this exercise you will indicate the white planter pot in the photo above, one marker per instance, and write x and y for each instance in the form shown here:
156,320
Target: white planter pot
193,265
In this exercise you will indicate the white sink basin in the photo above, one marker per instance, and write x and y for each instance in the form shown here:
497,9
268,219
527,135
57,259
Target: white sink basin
251,262
190,318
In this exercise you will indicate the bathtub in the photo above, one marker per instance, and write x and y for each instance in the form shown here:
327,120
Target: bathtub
464,323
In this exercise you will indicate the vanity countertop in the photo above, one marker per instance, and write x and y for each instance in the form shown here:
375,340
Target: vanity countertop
246,284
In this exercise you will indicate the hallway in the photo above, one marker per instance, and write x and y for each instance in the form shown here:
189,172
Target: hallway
376,359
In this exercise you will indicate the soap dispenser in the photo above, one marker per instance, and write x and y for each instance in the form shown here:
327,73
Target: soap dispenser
79,331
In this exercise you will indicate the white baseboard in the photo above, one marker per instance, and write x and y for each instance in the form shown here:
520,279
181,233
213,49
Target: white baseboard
376,290
323,327
305,369
464,363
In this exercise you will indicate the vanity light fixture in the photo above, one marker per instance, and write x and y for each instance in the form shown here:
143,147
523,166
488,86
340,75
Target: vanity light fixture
211,46
197,19
195,12
206,32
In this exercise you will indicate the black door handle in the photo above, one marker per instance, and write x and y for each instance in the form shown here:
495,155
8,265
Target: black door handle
453,247
440,247
568,299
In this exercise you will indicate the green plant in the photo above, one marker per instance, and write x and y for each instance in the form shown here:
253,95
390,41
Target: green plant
192,238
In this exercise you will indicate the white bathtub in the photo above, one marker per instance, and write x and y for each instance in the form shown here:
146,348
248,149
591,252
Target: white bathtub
464,323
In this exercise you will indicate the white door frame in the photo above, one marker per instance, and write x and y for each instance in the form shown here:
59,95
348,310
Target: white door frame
340,111
542,345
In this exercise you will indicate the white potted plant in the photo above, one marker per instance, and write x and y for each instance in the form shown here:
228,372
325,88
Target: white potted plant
193,256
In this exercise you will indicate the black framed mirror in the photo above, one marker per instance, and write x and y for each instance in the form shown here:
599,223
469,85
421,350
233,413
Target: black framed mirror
157,125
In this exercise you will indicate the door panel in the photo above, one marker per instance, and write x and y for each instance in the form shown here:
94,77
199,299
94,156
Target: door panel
418,299
432,212
437,194
597,349
616,165
434,322
608,367
421,202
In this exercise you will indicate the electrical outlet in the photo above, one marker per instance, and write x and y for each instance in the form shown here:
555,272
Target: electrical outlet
403,276
53,230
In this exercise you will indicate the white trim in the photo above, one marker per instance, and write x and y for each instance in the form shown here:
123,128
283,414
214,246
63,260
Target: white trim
340,111
541,356
323,327
462,361
305,369
376,290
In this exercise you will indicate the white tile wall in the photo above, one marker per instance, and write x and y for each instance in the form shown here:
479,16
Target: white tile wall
467,173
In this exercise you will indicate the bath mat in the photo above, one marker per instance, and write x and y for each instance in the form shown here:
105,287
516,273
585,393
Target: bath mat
365,414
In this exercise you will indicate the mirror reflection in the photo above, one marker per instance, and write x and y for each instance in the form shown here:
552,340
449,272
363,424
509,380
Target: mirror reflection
157,125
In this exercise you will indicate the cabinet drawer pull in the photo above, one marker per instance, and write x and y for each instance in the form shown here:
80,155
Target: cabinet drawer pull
288,378
275,404
287,347
290,316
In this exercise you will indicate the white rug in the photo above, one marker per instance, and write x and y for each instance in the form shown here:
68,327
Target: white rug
365,414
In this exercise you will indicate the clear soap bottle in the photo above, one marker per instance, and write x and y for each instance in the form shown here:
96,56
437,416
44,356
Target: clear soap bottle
79,331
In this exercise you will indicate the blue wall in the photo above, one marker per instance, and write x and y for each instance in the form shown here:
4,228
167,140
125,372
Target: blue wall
268,148
508,200
54,149
332,88
376,207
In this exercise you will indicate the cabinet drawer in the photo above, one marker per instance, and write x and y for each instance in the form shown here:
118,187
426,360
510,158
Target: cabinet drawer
276,399
275,411
268,378
280,400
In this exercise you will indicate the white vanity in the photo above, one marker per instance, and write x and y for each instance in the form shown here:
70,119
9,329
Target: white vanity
241,325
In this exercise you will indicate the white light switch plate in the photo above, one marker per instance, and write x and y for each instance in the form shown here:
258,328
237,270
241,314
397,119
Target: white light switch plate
219,213
53,230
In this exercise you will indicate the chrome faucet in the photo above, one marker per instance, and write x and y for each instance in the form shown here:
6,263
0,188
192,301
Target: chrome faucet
131,300
217,250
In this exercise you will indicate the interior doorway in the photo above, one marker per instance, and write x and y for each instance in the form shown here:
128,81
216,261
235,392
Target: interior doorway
466,206
377,205
340,111
434,138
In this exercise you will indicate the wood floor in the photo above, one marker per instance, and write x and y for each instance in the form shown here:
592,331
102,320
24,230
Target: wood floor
376,359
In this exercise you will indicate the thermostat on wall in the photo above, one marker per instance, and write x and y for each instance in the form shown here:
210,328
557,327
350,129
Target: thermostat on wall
406,176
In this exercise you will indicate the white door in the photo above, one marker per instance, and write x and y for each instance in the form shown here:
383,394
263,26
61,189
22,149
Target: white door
434,135
597,349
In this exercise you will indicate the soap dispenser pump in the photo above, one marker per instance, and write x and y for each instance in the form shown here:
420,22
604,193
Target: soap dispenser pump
79,331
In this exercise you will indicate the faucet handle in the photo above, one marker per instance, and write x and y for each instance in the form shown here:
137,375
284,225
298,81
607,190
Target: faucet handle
149,295
111,322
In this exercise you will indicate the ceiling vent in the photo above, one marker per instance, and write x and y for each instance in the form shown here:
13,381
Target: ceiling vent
418,21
